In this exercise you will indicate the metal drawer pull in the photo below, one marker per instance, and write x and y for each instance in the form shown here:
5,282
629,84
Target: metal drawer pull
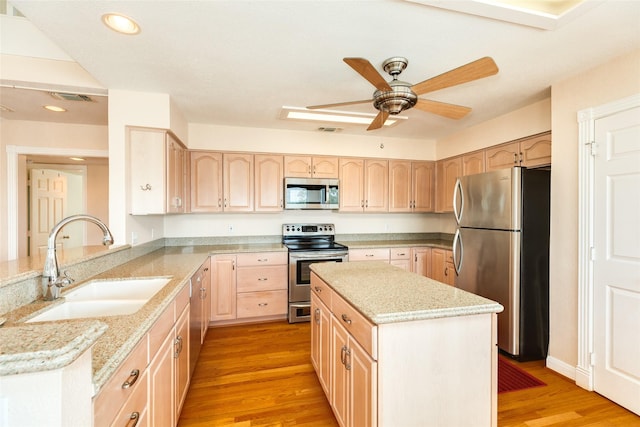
133,419
346,319
368,255
263,259
262,279
178,347
133,377
263,304
318,289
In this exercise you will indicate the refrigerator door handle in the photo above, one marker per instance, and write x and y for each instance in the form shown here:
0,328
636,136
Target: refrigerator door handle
457,194
457,256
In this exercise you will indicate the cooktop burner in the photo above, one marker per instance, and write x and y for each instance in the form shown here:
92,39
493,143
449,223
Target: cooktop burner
310,237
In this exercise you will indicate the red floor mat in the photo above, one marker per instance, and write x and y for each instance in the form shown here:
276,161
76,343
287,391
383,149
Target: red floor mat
512,378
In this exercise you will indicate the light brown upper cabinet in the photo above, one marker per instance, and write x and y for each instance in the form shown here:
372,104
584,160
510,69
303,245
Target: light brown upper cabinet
532,151
411,186
473,163
206,181
157,170
311,167
238,182
447,171
364,185
268,182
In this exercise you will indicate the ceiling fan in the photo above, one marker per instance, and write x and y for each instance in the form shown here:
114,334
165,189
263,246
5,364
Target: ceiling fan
392,97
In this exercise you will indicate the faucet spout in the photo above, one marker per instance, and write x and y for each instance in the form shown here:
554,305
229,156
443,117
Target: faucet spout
52,281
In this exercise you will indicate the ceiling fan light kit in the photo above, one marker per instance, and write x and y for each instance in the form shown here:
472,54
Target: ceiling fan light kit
391,98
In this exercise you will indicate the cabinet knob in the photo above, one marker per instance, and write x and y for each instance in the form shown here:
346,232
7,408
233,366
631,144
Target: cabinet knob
145,187
133,420
346,319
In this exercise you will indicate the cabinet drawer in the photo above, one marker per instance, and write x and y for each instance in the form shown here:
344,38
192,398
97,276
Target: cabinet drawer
182,299
267,278
321,289
134,408
365,332
369,255
263,258
400,253
264,303
113,395
160,329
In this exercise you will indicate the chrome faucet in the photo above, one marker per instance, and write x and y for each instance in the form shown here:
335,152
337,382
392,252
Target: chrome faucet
52,282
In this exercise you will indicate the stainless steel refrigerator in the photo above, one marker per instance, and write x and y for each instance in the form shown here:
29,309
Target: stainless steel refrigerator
501,252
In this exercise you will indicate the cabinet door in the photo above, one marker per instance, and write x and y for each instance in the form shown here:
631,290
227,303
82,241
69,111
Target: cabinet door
297,166
400,188
161,385
321,343
362,386
448,171
421,261
423,186
376,186
206,298
223,287
181,359
269,174
536,151
438,258
324,167
351,185
175,175
340,374
238,182
503,156
206,181
473,163
147,171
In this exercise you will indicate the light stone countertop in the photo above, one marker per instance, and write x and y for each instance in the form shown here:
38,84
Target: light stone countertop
386,294
372,244
113,337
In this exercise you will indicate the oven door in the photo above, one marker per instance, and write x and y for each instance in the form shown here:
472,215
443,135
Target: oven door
300,274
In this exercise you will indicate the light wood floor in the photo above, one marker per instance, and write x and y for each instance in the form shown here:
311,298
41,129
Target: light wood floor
261,375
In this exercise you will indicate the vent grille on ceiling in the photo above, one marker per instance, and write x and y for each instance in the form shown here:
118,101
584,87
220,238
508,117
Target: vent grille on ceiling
71,96
328,129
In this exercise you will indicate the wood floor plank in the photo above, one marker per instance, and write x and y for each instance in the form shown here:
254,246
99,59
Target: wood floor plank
261,376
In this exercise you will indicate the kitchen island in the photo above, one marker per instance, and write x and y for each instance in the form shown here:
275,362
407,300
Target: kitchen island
394,348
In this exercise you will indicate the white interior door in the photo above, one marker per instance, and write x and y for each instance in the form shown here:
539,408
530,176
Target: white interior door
616,265
48,206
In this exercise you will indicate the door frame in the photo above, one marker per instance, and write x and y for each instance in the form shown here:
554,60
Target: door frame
13,208
586,209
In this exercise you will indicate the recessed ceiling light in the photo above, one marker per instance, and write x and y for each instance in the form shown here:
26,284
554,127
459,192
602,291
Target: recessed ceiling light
120,23
54,108
77,159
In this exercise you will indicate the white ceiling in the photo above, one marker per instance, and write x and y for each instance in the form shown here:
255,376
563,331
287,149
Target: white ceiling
237,63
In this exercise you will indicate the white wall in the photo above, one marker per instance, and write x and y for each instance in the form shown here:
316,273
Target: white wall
614,80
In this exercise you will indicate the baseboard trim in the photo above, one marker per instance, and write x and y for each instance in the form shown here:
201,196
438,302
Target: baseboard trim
561,367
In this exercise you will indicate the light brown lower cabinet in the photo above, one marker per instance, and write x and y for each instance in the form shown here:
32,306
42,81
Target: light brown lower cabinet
421,261
442,266
439,371
150,394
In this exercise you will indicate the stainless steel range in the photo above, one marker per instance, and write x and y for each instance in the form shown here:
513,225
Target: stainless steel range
308,244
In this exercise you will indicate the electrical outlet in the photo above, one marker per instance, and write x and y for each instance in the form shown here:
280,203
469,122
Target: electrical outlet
134,238
230,228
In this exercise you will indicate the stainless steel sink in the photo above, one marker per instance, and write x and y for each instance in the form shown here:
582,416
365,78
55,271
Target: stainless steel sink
104,298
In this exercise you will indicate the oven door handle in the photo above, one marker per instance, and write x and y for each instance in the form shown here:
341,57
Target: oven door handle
317,255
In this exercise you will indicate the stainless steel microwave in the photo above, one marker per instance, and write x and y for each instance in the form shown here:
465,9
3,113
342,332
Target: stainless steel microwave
311,193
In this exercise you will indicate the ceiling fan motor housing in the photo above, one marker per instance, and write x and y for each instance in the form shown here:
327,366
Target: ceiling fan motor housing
399,98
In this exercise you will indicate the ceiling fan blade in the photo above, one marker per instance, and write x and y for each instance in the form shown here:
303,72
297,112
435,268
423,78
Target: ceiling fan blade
483,67
379,120
450,111
339,104
366,70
